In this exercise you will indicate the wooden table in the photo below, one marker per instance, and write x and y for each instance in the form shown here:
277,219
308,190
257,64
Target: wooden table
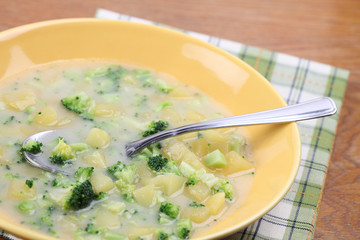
327,31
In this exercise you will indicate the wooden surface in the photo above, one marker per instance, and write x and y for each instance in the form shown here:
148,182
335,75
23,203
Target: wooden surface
327,31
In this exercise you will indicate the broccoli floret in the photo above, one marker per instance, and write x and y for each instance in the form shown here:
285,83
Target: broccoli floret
162,235
155,127
183,228
162,165
192,180
32,146
81,196
90,228
170,209
126,172
126,189
29,183
224,186
62,153
83,174
47,220
101,195
81,104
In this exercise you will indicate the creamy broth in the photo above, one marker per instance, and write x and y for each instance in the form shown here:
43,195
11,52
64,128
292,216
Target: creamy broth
122,102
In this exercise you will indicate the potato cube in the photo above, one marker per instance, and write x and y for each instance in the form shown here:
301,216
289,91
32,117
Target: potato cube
236,163
98,138
222,146
170,183
199,192
20,100
95,159
170,115
196,214
19,190
194,116
47,116
107,218
107,110
101,182
145,195
216,203
134,232
200,147
214,136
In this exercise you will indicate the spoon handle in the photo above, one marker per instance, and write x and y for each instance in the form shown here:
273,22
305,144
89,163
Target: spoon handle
319,107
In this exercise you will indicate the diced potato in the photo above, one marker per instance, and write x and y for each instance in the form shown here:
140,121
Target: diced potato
175,150
95,159
200,147
178,152
196,214
170,183
145,195
170,115
3,159
193,160
19,190
222,146
187,136
144,172
107,110
139,231
214,136
101,182
98,138
180,93
236,163
194,116
47,116
226,130
106,218
20,100
199,192
216,203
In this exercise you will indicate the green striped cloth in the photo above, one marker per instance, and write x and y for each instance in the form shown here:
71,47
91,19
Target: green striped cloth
296,80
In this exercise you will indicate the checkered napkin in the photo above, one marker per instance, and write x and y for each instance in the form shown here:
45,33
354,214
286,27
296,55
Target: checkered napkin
296,80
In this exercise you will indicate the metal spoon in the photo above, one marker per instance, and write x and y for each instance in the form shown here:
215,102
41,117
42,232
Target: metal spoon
319,107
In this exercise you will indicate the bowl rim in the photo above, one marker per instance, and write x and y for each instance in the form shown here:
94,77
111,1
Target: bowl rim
23,231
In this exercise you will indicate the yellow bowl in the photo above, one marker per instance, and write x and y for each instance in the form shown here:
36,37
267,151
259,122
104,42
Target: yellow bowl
275,148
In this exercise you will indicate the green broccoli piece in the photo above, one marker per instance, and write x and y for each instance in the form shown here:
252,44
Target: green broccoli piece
90,228
62,153
162,105
192,180
47,220
126,190
161,235
162,165
32,146
26,206
81,104
183,228
170,209
126,172
101,195
195,204
29,183
83,174
224,186
80,197
155,127
162,86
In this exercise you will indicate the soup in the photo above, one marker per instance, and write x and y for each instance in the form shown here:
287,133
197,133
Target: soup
170,190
